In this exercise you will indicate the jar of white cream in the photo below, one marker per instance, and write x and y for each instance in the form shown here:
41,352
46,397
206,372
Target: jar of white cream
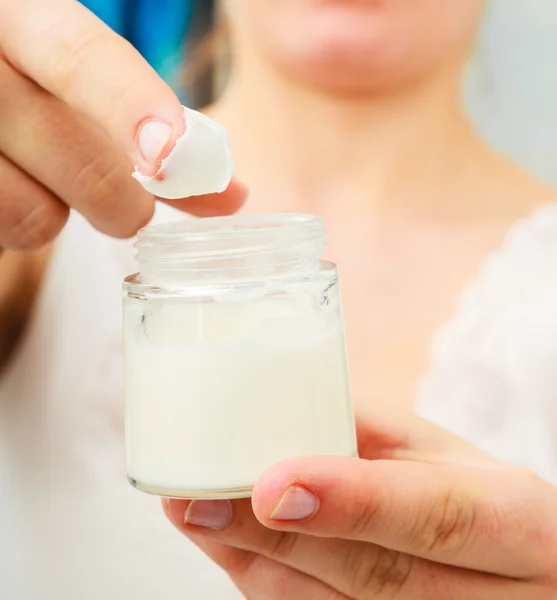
234,354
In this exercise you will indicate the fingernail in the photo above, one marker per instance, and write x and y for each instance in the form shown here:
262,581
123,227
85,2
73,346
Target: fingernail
152,138
296,504
213,514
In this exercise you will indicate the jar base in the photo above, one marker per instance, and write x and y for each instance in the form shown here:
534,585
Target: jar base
217,494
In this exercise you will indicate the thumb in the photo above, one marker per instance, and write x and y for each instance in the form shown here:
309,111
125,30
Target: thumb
492,520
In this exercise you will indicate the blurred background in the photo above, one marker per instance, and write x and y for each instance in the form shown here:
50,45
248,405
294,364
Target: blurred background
510,89
173,35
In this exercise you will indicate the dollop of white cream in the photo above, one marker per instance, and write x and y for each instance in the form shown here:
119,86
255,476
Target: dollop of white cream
200,163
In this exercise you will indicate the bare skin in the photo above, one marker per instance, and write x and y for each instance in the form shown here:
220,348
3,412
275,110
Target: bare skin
352,110
409,229
412,200
407,244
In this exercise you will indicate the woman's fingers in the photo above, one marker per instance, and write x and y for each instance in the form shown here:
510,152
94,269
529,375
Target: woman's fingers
260,578
77,58
79,106
390,433
68,155
354,569
214,205
257,577
30,216
493,520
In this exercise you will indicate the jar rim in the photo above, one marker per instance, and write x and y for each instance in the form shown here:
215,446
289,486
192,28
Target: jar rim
230,248
213,228
234,235
233,247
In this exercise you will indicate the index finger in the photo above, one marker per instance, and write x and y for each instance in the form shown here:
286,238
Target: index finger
493,520
71,53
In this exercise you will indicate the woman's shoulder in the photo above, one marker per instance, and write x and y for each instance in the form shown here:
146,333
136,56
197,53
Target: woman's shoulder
493,367
526,209
506,190
527,255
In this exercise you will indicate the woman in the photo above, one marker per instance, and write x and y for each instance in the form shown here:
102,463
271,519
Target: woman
346,109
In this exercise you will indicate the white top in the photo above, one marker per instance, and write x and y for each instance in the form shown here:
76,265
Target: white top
493,376
74,529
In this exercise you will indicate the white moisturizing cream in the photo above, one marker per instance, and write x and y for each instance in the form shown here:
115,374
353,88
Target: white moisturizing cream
234,354
200,162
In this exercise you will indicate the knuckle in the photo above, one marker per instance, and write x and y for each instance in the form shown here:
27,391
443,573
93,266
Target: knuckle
282,546
238,564
278,584
362,521
6,87
140,218
446,526
69,55
541,532
101,182
374,571
35,228
108,190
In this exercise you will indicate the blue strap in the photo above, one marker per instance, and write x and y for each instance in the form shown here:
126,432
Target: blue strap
112,12
161,28
157,28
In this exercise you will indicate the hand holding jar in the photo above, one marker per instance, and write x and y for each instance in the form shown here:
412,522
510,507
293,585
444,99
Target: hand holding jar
419,516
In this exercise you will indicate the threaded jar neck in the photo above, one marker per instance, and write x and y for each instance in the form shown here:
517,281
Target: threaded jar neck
234,248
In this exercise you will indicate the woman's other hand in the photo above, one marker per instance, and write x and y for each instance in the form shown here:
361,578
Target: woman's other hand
420,516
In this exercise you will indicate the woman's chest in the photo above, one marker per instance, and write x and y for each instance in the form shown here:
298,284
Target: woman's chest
399,290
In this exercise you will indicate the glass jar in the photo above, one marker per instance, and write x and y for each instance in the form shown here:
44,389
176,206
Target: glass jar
234,354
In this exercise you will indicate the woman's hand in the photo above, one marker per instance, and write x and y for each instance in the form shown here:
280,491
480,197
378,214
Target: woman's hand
420,517
78,107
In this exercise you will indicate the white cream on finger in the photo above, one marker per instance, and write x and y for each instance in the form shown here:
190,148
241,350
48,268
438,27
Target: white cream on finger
200,163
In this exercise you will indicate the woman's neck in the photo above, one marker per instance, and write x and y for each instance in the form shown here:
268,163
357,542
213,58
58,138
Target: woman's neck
379,152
